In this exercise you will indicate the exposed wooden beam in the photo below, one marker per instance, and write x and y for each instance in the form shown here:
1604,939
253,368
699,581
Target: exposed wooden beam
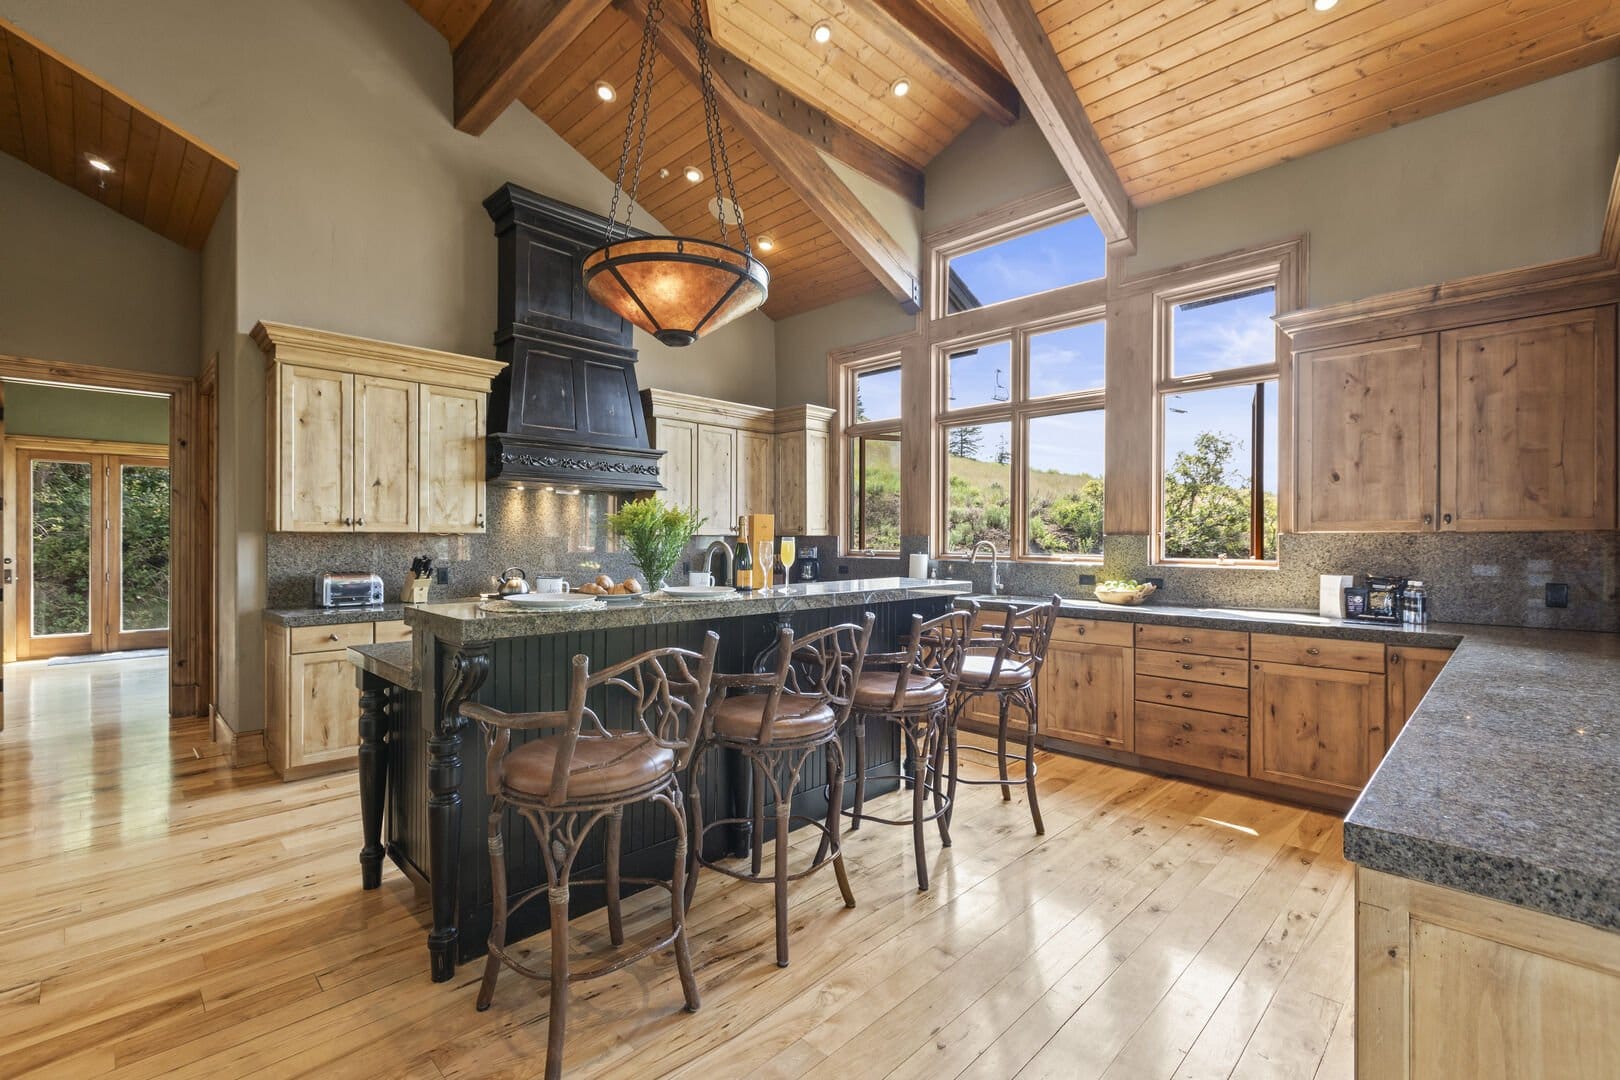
798,117
800,166
1027,53
914,25
512,42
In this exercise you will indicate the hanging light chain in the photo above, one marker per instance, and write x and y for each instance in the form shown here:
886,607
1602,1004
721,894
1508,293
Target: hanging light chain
719,159
640,105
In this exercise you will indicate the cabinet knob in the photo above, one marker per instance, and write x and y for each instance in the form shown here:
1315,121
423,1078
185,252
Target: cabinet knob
331,637
1186,667
1313,651
1080,631
1394,657
360,521
1446,518
1186,693
1186,641
348,521
1428,519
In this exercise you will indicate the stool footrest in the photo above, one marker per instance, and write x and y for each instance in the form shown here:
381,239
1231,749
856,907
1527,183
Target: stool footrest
834,849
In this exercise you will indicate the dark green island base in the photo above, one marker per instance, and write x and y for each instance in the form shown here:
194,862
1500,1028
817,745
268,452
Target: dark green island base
422,790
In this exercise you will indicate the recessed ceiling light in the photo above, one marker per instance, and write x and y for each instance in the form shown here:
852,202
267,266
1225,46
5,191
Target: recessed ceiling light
821,33
766,243
605,91
900,87
97,163
1324,5
692,173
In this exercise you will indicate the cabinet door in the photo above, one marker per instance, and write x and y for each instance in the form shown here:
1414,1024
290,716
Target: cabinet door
1087,694
1368,424
756,473
1528,416
323,709
1411,672
1314,727
450,466
801,483
716,479
315,451
385,455
677,469
815,483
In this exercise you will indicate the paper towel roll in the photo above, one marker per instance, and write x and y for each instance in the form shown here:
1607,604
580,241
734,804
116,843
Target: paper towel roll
918,566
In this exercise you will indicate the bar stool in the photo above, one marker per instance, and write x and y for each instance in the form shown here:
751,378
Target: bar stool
564,784
912,689
777,721
1007,665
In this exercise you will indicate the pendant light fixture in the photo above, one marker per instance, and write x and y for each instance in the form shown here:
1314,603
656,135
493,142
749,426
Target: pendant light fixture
676,288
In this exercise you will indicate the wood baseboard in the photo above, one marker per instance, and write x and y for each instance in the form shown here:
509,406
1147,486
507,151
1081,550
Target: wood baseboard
246,748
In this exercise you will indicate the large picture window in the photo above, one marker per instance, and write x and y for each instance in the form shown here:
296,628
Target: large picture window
871,455
1218,399
1037,260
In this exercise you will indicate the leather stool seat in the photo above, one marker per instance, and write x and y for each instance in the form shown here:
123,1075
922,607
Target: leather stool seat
600,767
742,716
875,691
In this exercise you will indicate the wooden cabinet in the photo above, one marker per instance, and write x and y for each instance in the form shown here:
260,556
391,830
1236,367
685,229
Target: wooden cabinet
1366,432
1452,984
1528,412
717,476
1316,728
1086,694
1496,427
312,709
367,436
678,468
803,439
385,426
451,455
1410,674
756,473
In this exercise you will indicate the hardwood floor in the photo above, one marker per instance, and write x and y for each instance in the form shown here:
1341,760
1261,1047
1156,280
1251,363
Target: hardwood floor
164,915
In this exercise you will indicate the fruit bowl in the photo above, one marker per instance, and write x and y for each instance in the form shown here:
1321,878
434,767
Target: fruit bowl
1110,592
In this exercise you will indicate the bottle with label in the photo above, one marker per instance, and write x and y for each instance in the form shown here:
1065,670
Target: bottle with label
745,561
1417,604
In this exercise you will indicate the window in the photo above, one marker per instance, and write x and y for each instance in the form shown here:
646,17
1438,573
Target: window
1218,395
871,455
1066,252
1022,434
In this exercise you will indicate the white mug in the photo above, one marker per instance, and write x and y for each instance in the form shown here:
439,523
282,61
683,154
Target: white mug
550,585
697,577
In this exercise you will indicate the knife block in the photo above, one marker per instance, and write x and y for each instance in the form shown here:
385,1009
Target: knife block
416,590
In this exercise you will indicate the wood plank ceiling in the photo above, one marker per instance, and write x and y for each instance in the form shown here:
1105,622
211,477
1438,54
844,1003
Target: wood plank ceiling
1188,93
1184,94
57,117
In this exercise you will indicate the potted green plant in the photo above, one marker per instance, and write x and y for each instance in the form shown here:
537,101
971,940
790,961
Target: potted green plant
655,533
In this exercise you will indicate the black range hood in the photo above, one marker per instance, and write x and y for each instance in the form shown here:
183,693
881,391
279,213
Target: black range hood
566,410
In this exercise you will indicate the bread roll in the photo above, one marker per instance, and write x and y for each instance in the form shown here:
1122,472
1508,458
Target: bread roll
631,585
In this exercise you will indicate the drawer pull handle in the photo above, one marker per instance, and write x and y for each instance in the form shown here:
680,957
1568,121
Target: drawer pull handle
1186,726
1186,641
1080,631
1186,693
1313,651
331,637
1186,667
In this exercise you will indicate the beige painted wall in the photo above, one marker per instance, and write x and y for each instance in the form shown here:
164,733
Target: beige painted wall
358,209
64,412
1514,180
82,284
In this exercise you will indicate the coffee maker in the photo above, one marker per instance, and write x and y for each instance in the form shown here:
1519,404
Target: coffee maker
807,567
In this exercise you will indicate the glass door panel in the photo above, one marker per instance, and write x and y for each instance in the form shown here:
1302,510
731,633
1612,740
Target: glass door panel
142,570
60,533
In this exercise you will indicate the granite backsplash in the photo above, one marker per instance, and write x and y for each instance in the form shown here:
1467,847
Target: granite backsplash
1497,579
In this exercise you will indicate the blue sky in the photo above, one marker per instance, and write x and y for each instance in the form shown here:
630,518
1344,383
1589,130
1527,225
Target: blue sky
1061,254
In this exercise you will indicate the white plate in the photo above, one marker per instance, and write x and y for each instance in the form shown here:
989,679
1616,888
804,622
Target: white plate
556,600
698,592
621,599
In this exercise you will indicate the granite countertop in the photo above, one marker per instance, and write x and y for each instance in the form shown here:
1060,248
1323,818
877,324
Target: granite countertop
1506,781
466,622
391,660
315,616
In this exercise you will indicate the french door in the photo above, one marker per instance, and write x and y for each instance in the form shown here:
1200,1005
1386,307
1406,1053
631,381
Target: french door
93,552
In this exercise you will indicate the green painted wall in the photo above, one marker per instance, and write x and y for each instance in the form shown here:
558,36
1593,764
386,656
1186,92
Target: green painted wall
65,413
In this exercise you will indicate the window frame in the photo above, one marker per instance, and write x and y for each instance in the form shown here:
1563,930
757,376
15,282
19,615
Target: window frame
848,374
1165,383
1016,220
1016,412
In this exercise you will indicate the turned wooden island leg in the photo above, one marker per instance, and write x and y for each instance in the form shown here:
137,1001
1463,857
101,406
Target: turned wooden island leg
375,714
464,674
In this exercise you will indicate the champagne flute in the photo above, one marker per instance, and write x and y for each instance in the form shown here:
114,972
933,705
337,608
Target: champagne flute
789,552
767,553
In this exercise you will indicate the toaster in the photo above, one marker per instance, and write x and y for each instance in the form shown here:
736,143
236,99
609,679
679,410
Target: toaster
348,590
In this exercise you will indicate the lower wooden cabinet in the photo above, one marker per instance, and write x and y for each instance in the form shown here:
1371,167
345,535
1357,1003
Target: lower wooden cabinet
1316,728
1411,672
1086,694
312,708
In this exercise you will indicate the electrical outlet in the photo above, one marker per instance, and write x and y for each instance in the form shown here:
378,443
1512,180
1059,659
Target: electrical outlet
1088,579
843,571
441,574
1557,594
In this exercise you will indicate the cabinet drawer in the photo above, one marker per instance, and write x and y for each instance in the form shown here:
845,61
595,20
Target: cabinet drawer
1203,669
1365,656
394,630
1092,632
1194,640
1208,697
1207,740
308,639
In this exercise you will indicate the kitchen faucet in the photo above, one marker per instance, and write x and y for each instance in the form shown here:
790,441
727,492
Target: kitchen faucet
995,564
719,548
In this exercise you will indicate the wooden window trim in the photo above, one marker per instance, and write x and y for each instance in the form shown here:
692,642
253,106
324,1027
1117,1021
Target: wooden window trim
846,373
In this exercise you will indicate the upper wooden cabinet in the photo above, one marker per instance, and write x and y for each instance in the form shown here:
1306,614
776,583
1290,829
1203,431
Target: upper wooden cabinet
1528,412
724,459
1497,427
367,436
1367,426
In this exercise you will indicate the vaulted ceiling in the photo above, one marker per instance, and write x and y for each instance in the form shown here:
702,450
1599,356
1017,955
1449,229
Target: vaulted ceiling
61,120
1173,95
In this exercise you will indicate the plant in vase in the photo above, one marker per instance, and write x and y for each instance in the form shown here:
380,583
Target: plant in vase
655,533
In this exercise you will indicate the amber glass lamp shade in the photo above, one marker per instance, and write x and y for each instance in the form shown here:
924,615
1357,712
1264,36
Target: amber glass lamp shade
675,288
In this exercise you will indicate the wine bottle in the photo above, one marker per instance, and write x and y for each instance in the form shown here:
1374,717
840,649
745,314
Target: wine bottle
745,566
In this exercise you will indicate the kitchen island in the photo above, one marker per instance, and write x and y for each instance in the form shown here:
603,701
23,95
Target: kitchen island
424,802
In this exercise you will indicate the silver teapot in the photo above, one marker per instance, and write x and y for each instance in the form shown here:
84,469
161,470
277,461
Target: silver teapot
512,582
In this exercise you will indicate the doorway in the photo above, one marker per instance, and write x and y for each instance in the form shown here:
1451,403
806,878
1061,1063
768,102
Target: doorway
92,548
